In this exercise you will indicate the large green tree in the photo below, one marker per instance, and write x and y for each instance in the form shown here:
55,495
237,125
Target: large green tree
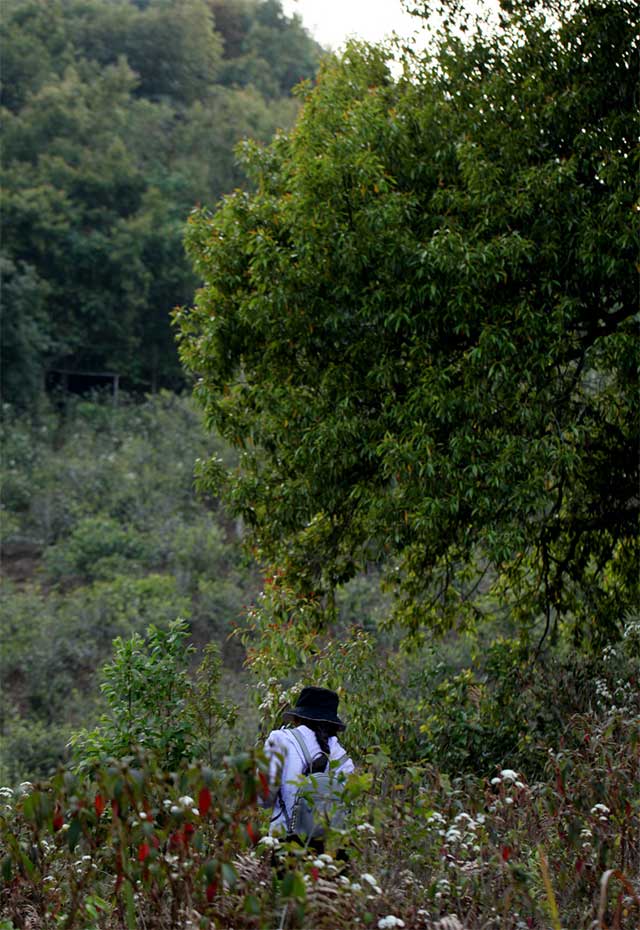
421,330
118,117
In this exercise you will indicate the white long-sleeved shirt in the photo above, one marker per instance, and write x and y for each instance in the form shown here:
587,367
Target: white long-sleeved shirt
286,765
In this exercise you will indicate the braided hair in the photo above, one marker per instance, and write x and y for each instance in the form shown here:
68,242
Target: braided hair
323,731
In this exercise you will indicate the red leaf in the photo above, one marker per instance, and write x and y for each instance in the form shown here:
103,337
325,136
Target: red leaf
506,853
264,781
99,804
143,851
58,818
187,832
204,801
315,873
251,833
211,891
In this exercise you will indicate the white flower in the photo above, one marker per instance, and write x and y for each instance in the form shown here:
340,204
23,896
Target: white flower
142,815
509,775
6,792
390,921
271,842
186,801
175,809
355,886
318,863
464,816
600,809
496,781
325,857
195,811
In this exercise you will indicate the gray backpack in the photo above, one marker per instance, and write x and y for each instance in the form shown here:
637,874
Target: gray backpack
317,803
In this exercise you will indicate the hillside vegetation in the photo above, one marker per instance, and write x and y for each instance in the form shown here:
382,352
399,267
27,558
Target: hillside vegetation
409,472
118,118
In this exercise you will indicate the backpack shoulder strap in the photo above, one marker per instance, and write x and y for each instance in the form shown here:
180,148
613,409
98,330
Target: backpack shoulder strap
303,747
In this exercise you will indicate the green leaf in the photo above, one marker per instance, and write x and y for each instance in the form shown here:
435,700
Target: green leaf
73,833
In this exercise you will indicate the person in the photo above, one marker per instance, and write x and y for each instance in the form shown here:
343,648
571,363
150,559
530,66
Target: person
315,720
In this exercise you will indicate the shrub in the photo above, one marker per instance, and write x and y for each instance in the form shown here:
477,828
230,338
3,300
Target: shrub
153,704
97,548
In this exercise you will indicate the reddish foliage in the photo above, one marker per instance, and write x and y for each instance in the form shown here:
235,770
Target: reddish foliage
264,781
99,804
143,851
58,818
506,853
211,891
204,801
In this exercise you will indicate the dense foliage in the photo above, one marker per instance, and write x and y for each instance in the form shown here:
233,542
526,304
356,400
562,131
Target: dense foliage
421,330
129,844
103,535
117,118
418,333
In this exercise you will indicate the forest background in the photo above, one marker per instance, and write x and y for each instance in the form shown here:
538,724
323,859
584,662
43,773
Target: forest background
439,521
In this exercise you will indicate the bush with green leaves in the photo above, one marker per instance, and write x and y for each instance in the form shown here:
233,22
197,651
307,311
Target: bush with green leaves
154,706
97,547
103,533
130,844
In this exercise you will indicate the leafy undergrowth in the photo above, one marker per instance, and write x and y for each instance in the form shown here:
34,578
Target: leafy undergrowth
129,845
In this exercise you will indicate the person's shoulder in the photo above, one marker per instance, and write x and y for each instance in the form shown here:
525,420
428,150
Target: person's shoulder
339,752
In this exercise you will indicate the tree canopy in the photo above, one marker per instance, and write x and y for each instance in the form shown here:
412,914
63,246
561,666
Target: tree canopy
118,117
421,329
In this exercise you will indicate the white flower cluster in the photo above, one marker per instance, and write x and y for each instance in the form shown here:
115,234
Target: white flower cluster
601,811
274,697
325,861
385,923
370,880
508,776
443,889
270,842
603,694
460,834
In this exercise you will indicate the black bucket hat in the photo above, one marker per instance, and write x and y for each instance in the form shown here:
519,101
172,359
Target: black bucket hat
316,704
